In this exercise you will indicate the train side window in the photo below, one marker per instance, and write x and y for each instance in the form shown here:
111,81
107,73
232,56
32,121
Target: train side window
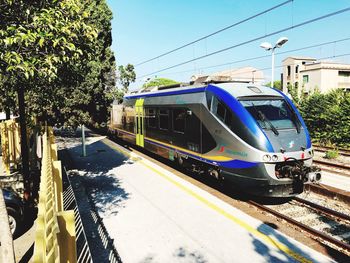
179,120
221,111
151,118
164,119
229,119
209,96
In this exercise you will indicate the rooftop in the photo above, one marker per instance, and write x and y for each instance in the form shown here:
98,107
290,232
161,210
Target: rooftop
300,58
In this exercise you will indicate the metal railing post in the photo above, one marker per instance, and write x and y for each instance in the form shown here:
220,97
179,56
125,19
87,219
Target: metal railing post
83,140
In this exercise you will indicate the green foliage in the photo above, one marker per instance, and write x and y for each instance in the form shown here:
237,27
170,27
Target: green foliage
60,52
276,84
159,82
37,37
293,91
7,94
331,154
327,117
127,75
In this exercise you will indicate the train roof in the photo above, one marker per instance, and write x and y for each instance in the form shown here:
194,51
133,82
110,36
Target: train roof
235,89
248,90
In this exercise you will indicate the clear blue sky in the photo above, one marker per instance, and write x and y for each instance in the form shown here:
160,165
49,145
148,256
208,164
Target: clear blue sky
144,29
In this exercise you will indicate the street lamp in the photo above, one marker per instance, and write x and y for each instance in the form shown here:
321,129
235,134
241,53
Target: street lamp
267,46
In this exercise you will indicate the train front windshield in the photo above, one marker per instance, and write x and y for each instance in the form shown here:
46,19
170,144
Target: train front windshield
274,114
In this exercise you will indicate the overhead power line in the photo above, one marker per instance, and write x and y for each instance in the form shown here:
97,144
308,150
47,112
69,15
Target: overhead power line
266,56
281,66
216,32
253,40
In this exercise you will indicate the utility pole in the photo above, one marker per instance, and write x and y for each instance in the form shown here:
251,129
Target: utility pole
268,47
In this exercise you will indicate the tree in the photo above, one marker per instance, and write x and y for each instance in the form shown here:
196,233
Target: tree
126,75
80,75
86,94
159,82
327,117
276,84
37,37
7,95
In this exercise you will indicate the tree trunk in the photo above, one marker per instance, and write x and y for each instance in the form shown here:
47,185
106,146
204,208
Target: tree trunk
24,141
8,113
6,242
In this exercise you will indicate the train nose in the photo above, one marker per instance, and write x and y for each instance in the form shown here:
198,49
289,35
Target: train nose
314,177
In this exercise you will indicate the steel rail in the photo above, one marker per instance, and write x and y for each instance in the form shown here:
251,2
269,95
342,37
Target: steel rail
332,171
323,209
337,165
316,234
342,151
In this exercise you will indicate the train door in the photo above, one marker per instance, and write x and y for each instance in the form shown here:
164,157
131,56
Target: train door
139,122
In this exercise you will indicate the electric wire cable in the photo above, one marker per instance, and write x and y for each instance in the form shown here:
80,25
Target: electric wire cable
264,56
216,32
252,40
281,66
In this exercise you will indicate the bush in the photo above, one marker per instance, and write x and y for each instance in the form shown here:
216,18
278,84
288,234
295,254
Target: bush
331,154
327,117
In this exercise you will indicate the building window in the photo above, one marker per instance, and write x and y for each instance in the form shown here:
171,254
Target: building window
296,84
297,69
344,73
164,119
305,79
288,71
151,118
179,120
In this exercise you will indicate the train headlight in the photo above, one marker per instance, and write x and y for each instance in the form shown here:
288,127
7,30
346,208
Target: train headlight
266,158
274,158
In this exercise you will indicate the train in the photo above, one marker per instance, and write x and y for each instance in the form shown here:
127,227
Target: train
246,135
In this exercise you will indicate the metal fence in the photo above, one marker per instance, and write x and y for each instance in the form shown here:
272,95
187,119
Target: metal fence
55,237
10,144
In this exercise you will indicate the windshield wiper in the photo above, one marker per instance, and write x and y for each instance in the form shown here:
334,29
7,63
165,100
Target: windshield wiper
264,119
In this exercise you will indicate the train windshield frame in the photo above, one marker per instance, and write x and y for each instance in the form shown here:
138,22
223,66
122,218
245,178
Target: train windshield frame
271,113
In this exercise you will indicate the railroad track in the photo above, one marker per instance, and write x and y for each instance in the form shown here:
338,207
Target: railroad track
341,151
337,168
323,224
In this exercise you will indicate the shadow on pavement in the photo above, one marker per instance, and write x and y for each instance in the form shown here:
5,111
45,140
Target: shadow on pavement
96,188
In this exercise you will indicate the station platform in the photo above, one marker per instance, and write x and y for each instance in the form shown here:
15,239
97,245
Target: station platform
155,216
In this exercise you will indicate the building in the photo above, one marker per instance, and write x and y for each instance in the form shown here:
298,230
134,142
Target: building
307,75
245,75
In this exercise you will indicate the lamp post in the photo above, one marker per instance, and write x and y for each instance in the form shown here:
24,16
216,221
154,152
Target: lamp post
267,46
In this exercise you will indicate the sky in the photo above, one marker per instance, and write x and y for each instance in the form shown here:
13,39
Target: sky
145,29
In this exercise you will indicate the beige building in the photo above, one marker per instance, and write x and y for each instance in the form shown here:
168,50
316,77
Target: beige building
308,75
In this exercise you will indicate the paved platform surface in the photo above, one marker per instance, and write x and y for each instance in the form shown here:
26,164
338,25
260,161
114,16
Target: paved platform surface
155,216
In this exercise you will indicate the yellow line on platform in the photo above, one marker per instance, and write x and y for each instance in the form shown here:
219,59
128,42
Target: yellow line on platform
236,220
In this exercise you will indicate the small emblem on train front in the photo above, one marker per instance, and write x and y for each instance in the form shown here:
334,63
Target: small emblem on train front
291,144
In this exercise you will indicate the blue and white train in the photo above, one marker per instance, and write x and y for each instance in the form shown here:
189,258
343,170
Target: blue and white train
247,135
